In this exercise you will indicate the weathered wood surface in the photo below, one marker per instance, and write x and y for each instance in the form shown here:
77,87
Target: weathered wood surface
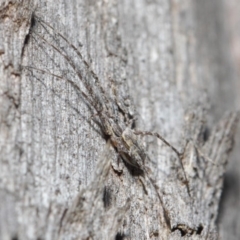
59,176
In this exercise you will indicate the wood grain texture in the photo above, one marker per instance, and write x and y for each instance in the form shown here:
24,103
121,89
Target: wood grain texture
60,178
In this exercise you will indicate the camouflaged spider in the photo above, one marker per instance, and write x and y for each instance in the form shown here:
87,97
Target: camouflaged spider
113,114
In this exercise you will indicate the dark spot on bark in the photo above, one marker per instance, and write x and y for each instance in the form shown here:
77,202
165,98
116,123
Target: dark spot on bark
211,204
183,232
14,238
120,236
33,21
106,197
187,231
183,229
206,134
199,229
154,234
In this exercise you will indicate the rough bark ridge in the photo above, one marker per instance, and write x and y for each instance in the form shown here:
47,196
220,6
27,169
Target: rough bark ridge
60,179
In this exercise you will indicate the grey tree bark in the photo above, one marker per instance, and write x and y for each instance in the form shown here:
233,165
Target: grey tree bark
60,177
